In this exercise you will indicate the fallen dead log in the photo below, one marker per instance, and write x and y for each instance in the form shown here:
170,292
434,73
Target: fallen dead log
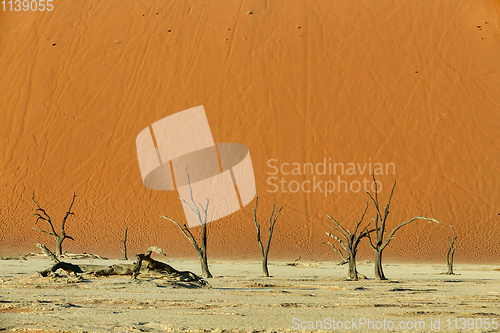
20,257
145,266
82,256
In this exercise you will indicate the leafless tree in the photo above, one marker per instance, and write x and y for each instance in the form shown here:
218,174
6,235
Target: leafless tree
272,220
201,250
125,244
451,252
41,214
350,243
380,228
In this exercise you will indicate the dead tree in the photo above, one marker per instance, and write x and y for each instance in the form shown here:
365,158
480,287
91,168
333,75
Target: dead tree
380,228
350,243
125,244
201,250
272,220
451,252
41,214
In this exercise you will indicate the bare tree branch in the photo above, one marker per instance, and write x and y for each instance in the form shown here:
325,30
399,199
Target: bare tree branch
68,213
344,232
344,244
391,235
258,227
274,217
337,230
48,233
344,259
46,218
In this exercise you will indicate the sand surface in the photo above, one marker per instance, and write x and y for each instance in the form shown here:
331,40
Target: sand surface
241,301
413,83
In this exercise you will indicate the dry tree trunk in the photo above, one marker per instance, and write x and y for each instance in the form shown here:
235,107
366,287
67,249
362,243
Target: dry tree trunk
379,272
451,252
201,250
350,244
144,265
380,226
125,244
42,215
272,220
352,272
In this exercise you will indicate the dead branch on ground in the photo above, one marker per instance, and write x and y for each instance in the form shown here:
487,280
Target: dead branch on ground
144,266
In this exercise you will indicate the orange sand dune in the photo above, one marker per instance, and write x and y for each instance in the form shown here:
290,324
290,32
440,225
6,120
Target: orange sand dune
409,83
